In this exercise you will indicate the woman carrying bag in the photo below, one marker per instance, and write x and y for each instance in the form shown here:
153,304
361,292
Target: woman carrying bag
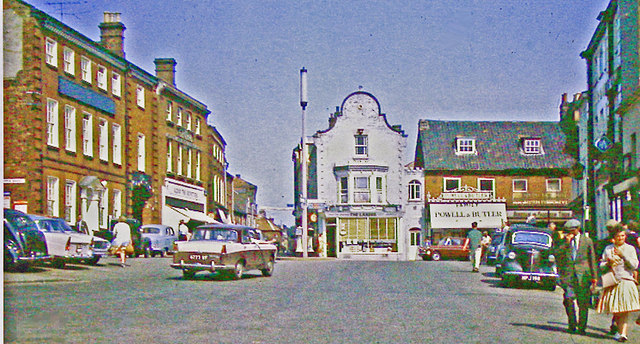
619,297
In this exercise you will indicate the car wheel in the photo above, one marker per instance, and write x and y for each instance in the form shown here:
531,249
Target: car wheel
162,253
94,260
436,256
268,269
188,274
148,252
57,263
238,270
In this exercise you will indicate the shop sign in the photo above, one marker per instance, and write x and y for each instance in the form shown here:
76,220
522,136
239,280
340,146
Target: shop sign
461,215
184,191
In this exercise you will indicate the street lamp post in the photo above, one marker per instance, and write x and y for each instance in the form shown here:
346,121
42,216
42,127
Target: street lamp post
303,162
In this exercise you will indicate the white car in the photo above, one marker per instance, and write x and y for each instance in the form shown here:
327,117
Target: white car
63,244
100,245
232,249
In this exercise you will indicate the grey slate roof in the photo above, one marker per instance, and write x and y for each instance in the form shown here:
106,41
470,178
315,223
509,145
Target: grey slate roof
498,146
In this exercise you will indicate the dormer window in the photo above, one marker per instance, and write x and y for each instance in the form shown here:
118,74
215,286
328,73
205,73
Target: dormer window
465,145
532,146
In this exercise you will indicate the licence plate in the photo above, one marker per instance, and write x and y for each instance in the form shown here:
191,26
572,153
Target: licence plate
531,278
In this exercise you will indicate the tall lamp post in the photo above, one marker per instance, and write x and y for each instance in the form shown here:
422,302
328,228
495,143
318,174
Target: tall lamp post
303,162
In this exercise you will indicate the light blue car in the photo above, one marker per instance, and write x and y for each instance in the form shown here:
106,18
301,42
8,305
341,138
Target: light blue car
158,239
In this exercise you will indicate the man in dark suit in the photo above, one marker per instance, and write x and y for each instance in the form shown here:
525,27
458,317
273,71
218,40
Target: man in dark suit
576,262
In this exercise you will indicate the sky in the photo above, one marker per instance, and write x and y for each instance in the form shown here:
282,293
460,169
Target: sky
434,59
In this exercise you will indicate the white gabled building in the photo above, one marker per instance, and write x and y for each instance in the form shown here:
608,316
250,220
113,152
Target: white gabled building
364,202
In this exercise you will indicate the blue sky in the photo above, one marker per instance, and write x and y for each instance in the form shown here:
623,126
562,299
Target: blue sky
438,59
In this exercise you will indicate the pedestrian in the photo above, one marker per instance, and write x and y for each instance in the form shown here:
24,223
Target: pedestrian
575,259
475,249
622,298
81,226
122,239
183,231
484,244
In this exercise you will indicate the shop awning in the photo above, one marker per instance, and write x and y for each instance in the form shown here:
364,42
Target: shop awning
194,215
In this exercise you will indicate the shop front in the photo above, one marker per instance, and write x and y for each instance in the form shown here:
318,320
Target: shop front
183,201
455,219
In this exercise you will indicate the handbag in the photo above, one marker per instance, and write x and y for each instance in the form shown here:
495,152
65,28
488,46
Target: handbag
609,280
129,250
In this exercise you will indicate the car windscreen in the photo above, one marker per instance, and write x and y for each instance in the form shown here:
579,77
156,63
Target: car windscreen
50,226
520,238
150,230
225,235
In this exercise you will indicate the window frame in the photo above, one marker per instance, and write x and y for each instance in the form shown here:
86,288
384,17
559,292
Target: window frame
70,196
493,184
415,190
526,185
142,152
85,68
51,51
103,139
549,181
69,60
116,143
169,156
465,146
116,84
87,134
53,118
458,180
361,194
532,146
343,184
53,196
70,128
361,148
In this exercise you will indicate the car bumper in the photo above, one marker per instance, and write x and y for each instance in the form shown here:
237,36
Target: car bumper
182,265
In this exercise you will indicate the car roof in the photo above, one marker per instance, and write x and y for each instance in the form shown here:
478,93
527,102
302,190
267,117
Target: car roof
225,226
529,228
154,225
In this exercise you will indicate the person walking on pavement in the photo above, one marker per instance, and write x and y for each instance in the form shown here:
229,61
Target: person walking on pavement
622,298
122,239
576,262
183,231
475,249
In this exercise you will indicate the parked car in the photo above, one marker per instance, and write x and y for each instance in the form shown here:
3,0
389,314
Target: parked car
160,239
100,246
63,244
496,248
226,248
447,248
528,259
24,244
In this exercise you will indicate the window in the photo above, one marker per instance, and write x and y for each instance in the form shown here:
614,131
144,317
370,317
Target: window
415,190
52,122
519,185
380,189
189,158
51,52
197,126
344,190
103,140
140,96
70,201
117,203
361,145
415,238
486,184
69,57
361,193
554,185
117,144
52,197
187,120
179,161
532,146
87,134
451,184
169,156
70,128
85,66
198,162
116,84
101,78
141,153
179,118
465,146
169,111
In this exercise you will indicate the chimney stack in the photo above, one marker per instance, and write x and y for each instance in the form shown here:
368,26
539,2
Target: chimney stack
112,33
166,70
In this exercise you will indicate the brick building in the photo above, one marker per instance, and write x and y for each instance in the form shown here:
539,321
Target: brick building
88,133
491,172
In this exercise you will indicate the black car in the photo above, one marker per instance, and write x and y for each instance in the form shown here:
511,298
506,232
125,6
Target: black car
24,244
527,258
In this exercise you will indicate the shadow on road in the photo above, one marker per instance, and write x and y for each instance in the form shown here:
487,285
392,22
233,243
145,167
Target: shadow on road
562,327
208,276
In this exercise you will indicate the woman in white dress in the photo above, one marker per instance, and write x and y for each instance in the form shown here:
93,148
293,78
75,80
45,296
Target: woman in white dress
620,299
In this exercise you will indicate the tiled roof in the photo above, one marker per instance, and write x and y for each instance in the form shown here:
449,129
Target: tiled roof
498,146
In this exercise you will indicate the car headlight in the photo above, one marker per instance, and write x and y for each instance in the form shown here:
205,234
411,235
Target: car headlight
552,258
428,251
511,255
